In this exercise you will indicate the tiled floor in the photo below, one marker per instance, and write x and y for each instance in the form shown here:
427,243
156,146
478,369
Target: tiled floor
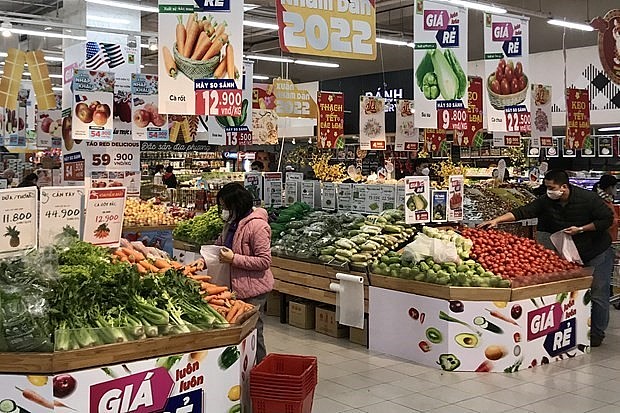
353,379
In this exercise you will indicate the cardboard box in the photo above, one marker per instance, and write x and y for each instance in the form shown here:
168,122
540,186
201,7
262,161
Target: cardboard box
273,304
326,323
358,335
301,314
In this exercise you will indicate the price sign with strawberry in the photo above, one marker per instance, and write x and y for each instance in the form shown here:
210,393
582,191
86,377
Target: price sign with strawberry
104,216
18,219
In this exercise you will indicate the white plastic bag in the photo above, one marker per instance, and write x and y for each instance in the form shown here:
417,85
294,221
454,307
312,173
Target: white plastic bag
565,246
424,246
216,269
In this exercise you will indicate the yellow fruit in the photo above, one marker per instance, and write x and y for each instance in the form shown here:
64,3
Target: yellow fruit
38,380
500,304
234,394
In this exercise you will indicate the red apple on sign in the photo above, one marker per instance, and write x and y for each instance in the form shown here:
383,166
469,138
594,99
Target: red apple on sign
141,118
64,385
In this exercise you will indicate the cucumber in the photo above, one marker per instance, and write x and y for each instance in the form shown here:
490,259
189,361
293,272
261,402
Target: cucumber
326,258
357,258
8,406
328,250
342,258
344,253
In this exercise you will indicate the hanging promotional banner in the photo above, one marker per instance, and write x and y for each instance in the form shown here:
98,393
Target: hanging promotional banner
104,216
473,134
542,130
200,55
148,124
61,212
506,55
292,102
330,120
372,123
93,94
49,125
344,29
407,135
440,64
18,219
433,139
456,194
608,43
233,130
577,118
264,116
417,199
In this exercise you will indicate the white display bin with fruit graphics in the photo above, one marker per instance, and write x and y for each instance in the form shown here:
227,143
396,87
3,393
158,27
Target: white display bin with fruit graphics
212,378
470,329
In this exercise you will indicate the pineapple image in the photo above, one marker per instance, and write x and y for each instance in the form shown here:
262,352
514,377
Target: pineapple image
14,234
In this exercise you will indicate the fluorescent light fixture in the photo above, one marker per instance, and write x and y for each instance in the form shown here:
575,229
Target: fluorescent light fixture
125,5
105,19
267,58
55,76
260,25
487,8
260,77
316,63
48,58
144,45
571,25
6,29
57,89
609,129
46,34
392,42
248,7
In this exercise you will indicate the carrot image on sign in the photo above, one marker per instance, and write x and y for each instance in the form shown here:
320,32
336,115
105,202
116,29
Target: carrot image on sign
102,231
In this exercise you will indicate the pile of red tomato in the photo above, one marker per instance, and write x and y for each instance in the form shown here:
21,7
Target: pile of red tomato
509,78
510,256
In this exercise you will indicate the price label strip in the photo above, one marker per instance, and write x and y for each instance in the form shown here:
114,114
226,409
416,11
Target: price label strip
218,98
62,209
19,219
451,115
104,216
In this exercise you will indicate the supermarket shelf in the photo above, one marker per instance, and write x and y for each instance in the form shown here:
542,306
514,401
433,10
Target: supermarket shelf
556,287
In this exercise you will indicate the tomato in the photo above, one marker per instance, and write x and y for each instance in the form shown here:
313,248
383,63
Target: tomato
519,69
514,85
509,73
505,87
495,87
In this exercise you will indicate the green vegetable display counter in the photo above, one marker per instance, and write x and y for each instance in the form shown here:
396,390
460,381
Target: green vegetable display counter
194,372
480,329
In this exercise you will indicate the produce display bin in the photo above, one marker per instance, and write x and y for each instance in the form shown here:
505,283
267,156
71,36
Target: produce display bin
158,236
480,329
208,370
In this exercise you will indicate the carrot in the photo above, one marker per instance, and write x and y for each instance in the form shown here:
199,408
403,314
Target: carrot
131,258
176,265
220,309
190,20
200,264
148,266
203,44
171,66
502,317
141,269
205,285
192,37
219,30
181,34
215,290
226,295
58,403
120,254
217,302
208,27
221,69
128,251
125,259
139,256
160,263
200,277
234,310
230,61
36,398
216,47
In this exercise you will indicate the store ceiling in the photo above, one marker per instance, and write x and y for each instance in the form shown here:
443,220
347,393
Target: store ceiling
394,20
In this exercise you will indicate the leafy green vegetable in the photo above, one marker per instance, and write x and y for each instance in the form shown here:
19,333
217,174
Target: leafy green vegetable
201,229
446,79
458,71
425,66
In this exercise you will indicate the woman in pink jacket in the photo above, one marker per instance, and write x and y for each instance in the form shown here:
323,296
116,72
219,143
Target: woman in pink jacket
247,241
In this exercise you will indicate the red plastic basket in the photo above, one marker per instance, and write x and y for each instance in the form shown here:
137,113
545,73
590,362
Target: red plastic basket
270,405
285,366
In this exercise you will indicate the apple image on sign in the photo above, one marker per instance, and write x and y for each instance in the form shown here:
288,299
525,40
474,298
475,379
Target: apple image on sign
141,118
64,385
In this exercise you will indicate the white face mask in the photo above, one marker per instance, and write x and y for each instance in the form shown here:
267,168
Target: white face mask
225,215
426,171
555,195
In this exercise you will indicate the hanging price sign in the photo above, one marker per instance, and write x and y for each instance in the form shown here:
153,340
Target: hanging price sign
240,138
19,219
451,115
61,208
518,119
104,216
218,98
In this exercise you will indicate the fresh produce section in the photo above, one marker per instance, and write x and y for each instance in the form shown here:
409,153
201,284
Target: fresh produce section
483,202
139,213
200,230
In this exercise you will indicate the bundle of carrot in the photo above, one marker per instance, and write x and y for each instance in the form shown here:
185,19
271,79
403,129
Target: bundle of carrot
221,299
201,40
151,260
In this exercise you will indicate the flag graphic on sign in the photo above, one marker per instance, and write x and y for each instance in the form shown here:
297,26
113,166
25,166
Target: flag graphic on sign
99,54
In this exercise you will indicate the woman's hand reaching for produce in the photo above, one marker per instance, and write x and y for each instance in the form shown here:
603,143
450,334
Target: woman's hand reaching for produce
487,224
226,256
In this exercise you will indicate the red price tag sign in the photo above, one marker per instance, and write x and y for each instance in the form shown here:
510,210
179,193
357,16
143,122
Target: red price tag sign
452,119
518,120
546,142
219,102
512,140
411,146
241,138
74,171
377,145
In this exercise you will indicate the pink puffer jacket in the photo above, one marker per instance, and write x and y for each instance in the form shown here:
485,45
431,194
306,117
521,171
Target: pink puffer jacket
251,268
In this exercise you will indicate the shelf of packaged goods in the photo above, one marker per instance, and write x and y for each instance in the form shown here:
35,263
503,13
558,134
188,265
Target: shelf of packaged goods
112,354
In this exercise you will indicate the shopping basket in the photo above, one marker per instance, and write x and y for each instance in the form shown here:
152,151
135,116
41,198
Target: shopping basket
284,383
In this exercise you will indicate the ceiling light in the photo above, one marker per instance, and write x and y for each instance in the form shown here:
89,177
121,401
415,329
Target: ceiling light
571,25
141,66
57,89
105,19
609,129
6,29
47,34
260,25
260,77
248,7
315,63
487,8
48,28
125,5
392,42
267,58
153,44
56,77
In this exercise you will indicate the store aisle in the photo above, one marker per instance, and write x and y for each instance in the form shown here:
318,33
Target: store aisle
353,379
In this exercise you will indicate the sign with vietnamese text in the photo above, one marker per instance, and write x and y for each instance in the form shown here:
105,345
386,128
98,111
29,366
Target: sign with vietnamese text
61,210
372,123
331,120
407,135
104,216
18,219
577,118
